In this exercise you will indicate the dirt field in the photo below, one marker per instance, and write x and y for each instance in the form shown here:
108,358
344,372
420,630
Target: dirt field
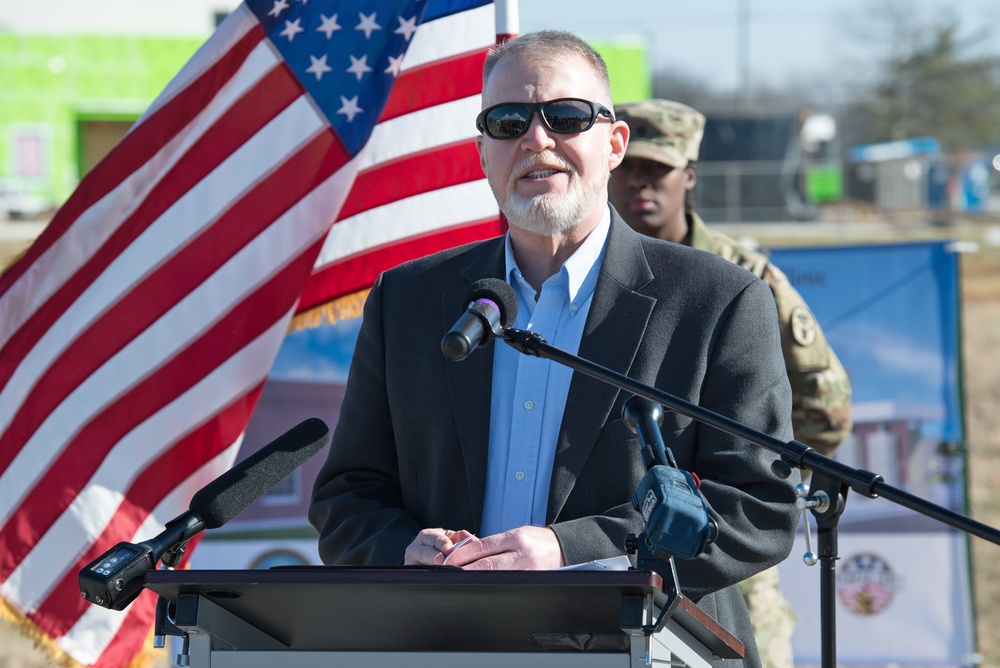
981,341
981,350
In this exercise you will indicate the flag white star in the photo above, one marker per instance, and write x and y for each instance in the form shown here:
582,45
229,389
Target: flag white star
350,108
292,28
367,23
395,64
328,25
406,28
319,66
279,6
359,66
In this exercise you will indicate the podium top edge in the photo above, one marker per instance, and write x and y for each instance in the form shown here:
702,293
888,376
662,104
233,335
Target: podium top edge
403,575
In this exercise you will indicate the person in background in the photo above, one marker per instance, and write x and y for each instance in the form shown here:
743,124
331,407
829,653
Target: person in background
529,461
653,191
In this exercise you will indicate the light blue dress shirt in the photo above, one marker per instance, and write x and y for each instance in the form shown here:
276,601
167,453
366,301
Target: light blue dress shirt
529,393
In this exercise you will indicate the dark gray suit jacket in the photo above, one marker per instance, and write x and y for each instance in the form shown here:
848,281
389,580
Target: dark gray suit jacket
410,449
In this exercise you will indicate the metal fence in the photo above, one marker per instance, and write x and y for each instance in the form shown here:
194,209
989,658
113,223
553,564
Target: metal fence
752,190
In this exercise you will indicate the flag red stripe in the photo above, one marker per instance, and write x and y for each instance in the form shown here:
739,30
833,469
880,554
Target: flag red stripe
413,174
78,461
137,147
273,94
360,271
435,83
57,614
170,283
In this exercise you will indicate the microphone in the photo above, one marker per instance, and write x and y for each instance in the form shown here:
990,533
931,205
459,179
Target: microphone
115,579
492,308
674,513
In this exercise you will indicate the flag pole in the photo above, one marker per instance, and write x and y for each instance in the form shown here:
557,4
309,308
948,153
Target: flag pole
507,19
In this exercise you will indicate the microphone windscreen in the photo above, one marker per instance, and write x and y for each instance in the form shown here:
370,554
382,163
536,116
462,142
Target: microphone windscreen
497,291
226,496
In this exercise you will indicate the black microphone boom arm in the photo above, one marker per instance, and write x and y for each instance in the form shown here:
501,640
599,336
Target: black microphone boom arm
793,452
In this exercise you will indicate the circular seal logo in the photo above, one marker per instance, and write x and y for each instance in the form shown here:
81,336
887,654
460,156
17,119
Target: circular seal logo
866,584
804,326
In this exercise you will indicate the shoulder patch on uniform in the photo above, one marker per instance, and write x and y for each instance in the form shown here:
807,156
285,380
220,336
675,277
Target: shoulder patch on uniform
804,327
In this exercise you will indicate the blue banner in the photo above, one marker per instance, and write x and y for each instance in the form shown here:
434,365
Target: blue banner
891,312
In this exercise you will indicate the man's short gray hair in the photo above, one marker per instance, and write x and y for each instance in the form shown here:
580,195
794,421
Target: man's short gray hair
550,43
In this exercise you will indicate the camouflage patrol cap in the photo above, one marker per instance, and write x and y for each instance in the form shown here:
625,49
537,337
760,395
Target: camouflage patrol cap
662,130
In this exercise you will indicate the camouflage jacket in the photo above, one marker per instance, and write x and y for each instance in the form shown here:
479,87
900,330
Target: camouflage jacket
821,390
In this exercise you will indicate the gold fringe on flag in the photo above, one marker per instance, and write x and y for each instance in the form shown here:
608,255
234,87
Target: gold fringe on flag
343,308
148,657
38,638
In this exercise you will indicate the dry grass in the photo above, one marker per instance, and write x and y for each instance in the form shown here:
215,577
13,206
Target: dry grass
981,342
981,350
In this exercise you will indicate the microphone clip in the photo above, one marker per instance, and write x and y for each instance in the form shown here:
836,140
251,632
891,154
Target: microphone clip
524,341
490,317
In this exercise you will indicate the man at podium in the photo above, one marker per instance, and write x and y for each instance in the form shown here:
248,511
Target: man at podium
530,460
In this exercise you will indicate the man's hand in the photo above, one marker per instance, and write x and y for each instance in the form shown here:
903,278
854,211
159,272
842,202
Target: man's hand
431,546
526,548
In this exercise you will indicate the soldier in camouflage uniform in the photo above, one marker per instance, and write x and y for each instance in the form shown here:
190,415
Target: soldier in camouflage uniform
652,190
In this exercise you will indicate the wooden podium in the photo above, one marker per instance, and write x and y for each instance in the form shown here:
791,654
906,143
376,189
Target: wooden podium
443,617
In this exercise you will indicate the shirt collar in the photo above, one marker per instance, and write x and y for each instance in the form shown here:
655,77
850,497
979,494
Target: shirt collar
578,265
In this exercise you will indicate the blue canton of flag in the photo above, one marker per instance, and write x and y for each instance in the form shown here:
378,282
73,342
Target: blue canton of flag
347,54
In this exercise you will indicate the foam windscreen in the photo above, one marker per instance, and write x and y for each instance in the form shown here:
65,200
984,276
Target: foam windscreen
226,496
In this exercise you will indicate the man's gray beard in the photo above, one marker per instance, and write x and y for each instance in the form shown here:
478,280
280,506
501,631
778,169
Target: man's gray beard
550,215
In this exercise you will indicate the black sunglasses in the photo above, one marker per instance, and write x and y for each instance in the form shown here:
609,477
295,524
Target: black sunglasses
565,116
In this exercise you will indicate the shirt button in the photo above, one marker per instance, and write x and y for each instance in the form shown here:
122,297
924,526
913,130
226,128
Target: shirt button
519,475
574,307
529,404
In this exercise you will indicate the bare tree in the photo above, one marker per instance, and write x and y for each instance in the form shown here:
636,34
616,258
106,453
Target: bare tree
931,78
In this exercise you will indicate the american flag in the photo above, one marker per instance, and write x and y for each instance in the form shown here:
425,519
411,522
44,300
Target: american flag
136,333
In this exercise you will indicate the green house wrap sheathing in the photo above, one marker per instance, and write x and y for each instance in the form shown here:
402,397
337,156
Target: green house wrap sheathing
53,83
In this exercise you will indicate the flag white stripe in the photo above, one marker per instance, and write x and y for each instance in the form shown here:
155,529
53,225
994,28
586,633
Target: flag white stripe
196,210
94,508
409,217
97,627
284,240
422,130
450,35
94,226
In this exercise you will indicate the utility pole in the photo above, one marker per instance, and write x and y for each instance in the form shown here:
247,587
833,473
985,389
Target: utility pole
743,54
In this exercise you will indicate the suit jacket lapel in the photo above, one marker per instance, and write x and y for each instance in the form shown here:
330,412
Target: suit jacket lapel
470,381
615,326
